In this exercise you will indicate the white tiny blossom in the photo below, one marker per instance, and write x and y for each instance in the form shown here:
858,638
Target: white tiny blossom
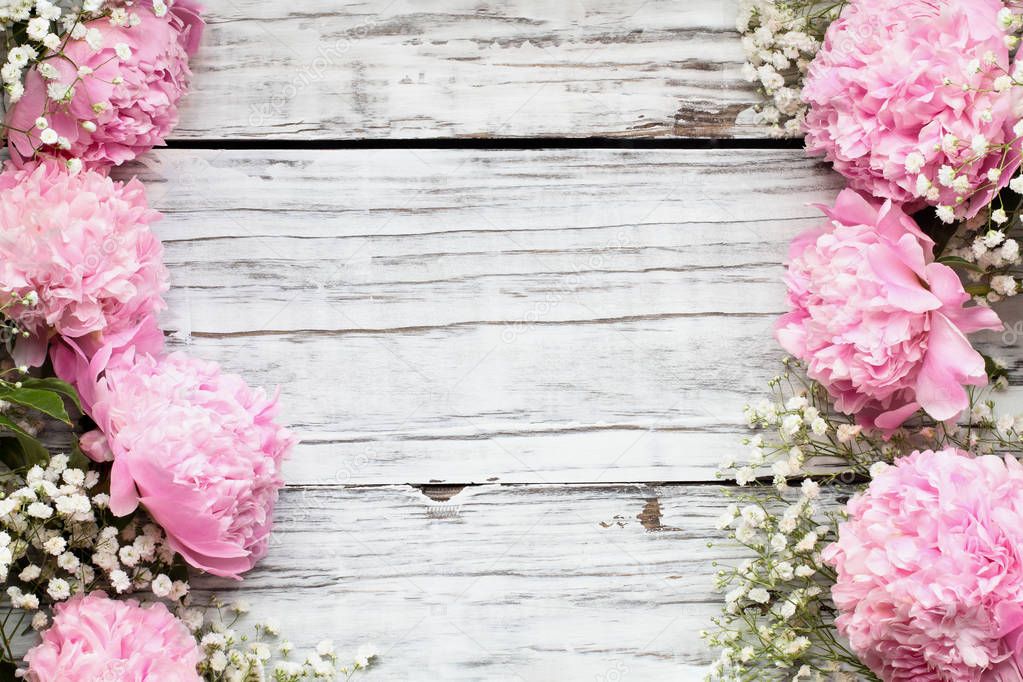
40,510
69,562
40,621
961,184
979,144
364,654
946,175
914,162
162,586
119,581
94,38
1010,251
129,555
218,661
60,92
1004,285
48,71
923,185
791,424
805,571
745,476
58,589
38,27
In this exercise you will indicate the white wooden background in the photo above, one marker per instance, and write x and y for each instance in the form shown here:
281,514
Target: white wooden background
568,333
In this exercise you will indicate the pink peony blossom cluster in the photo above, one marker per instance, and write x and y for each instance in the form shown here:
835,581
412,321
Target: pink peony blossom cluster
880,324
198,449
94,638
911,101
81,243
930,570
114,90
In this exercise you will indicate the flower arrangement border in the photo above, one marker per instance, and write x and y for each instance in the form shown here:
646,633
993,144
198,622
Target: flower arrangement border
175,466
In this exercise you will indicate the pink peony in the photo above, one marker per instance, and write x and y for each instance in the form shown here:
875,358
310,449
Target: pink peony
198,449
107,123
880,112
81,242
879,324
930,570
94,639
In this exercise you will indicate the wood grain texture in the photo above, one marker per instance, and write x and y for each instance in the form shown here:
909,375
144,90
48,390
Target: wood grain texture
473,317
499,583
379,69
470,317
567,321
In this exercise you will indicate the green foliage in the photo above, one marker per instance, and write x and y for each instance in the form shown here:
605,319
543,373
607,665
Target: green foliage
27,401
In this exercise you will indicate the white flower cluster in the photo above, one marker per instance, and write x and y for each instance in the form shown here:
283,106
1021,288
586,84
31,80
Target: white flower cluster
805,430
229,656
988,432
57,540
10,329
773,600
992,258
780,39
45,26
777,622
954,179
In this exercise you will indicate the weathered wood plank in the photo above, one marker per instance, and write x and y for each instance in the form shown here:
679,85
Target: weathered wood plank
378,69
465,316
470,317
499,583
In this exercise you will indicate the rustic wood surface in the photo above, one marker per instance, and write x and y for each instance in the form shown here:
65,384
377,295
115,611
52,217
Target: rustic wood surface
513,371
500,582
489,316
553,329
377,69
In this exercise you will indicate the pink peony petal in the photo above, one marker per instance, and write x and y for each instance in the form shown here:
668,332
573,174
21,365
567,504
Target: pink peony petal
950,363
92,635
198,449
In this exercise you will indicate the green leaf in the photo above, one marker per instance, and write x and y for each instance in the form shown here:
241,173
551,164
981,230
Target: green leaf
11,453
6,423
19,452
55,385
45,401
32,451
78,459
993,369
977,289
956,261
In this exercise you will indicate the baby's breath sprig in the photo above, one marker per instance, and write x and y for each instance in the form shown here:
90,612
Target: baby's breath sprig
780,38
36,30
58,539
778,619
797,425
232,656
10,329
986,250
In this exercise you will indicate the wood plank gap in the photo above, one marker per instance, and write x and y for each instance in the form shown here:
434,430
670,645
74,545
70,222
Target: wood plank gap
490,143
